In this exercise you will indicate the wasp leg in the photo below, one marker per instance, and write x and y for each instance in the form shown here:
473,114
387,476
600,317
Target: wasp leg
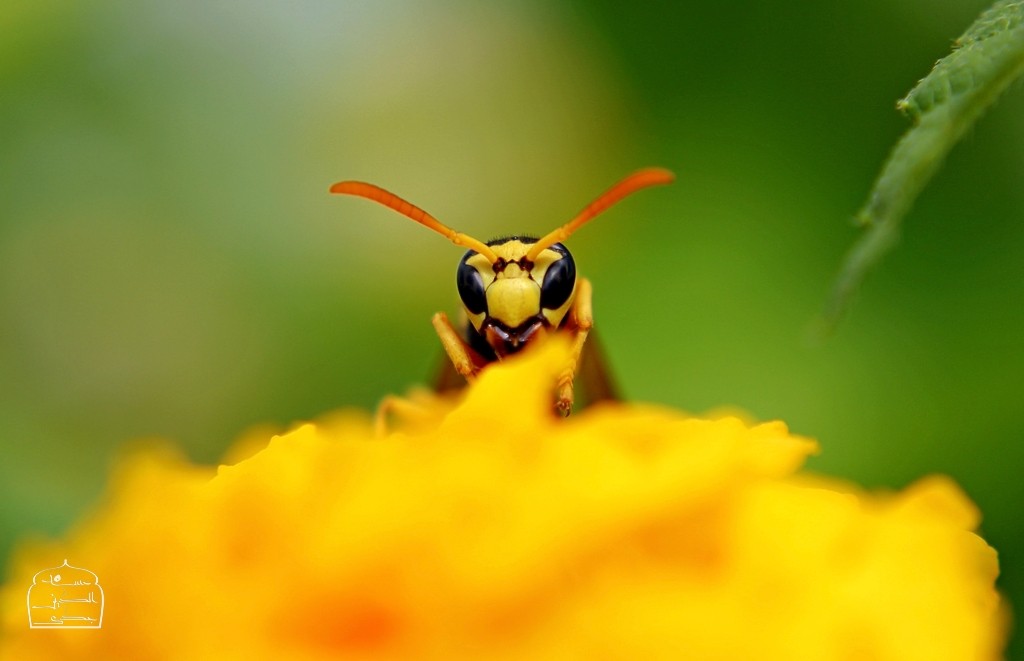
418,411
419,406
466,361
582,320
399,408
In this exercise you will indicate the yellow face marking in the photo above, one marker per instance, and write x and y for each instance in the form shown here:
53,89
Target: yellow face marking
512,251
513,294
513,300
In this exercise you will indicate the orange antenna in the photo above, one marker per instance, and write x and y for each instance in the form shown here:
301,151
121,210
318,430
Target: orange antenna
392,201
631,184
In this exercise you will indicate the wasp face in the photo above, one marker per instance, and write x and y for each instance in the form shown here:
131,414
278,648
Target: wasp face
512,300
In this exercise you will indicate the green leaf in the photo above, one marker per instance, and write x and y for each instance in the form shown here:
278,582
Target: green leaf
984,61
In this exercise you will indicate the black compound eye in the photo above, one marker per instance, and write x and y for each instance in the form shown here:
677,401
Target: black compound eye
471,287
559,280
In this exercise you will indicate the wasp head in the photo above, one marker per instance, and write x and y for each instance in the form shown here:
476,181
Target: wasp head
516,297
513,289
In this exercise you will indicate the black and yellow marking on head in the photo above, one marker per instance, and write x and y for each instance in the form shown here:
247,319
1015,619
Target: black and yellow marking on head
513,299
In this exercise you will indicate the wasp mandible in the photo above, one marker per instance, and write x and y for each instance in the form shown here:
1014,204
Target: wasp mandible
516,289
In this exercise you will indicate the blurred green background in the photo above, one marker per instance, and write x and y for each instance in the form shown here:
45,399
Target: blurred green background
171,264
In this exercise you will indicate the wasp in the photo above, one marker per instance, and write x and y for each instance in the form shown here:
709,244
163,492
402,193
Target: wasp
517,289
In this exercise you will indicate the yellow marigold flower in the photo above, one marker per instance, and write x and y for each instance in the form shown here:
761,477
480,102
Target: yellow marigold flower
491,529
